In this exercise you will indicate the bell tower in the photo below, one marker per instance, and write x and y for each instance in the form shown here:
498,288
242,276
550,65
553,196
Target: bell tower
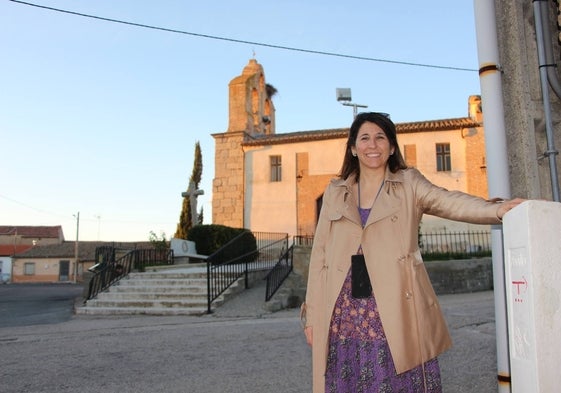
251,107
251,114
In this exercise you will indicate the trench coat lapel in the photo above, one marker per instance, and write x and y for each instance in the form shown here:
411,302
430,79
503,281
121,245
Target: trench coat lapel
350,211
349,208
388,201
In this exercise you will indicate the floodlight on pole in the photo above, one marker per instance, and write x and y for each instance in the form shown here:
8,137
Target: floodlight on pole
344,96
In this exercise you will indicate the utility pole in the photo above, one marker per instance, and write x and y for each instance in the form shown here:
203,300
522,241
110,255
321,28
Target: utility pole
76,258
98,224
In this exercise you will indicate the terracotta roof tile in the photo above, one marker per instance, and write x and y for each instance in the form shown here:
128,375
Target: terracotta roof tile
437,125
402,128
86,249
54,232
7,250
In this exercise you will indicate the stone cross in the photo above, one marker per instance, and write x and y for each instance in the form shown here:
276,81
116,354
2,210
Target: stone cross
192,193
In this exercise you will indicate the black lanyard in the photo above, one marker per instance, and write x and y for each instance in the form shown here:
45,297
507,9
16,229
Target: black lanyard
359,251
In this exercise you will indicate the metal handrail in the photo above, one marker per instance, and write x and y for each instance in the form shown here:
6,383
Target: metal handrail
108,272
431,244
455,244
279,273
221,275
303,240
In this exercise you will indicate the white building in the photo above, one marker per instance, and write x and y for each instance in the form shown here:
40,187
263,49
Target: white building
270,182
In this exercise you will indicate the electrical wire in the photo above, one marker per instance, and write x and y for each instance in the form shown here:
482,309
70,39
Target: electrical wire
254,43
31,207
67,217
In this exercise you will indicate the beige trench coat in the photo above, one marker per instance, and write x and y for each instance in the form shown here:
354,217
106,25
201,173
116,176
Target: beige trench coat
409,310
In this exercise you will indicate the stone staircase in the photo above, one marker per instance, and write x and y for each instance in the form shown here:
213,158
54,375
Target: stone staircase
172,291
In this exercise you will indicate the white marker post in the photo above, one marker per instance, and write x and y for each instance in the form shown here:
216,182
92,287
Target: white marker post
532,244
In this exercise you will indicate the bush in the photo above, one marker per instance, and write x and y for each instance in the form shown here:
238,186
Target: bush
211,238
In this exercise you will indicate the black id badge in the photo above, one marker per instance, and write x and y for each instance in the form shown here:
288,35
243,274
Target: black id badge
360,282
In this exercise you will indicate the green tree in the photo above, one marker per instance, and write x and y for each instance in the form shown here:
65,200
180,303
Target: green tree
200,218
185,218
159,243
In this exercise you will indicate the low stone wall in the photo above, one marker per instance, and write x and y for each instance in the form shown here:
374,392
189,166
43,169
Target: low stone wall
461,276
447,277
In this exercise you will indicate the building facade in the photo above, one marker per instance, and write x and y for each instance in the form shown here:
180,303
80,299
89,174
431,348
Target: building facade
16,239
270,182
56,263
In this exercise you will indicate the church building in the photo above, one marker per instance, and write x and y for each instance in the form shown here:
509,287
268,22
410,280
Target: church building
270,182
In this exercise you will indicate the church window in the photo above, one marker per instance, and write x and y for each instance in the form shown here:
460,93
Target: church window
443,160
276,168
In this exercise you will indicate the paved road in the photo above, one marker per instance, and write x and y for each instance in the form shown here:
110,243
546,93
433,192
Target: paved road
239,348
34,304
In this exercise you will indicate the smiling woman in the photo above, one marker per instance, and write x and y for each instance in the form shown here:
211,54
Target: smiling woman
372,147
391,337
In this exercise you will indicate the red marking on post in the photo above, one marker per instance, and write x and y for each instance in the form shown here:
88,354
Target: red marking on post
518,283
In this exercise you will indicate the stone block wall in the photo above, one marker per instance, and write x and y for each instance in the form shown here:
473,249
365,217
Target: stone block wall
461,276
447,277
228,183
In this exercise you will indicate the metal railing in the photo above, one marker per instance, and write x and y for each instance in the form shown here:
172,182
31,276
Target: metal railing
284,266
223,273
152,257
108,271
303,240
440,244
279,273
455,245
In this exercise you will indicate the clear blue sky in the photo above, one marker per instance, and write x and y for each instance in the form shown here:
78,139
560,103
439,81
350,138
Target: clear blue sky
102,118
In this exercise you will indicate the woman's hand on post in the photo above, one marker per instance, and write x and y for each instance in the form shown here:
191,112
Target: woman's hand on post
507,206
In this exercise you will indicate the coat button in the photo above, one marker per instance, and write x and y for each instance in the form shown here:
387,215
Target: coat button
408,295
394,218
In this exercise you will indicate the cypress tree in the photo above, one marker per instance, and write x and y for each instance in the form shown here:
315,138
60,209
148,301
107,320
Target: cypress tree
185,220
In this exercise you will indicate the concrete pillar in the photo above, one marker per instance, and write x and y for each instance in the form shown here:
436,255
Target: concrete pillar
532,246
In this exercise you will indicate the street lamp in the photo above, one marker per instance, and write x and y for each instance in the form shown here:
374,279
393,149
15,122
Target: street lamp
344,97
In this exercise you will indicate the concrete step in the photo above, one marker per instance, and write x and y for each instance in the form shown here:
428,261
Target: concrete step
169,275
142,311
156,289
161,292
144,281
155,295
142,303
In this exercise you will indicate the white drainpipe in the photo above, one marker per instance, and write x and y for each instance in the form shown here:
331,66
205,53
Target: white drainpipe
497,165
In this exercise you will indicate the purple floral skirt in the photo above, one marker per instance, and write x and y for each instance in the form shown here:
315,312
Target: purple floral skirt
359,358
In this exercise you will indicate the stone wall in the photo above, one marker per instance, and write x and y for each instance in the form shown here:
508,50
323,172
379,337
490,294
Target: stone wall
447,277
461,276
228,182
524,117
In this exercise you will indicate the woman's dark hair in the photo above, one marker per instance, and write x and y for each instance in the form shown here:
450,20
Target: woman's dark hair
350,163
